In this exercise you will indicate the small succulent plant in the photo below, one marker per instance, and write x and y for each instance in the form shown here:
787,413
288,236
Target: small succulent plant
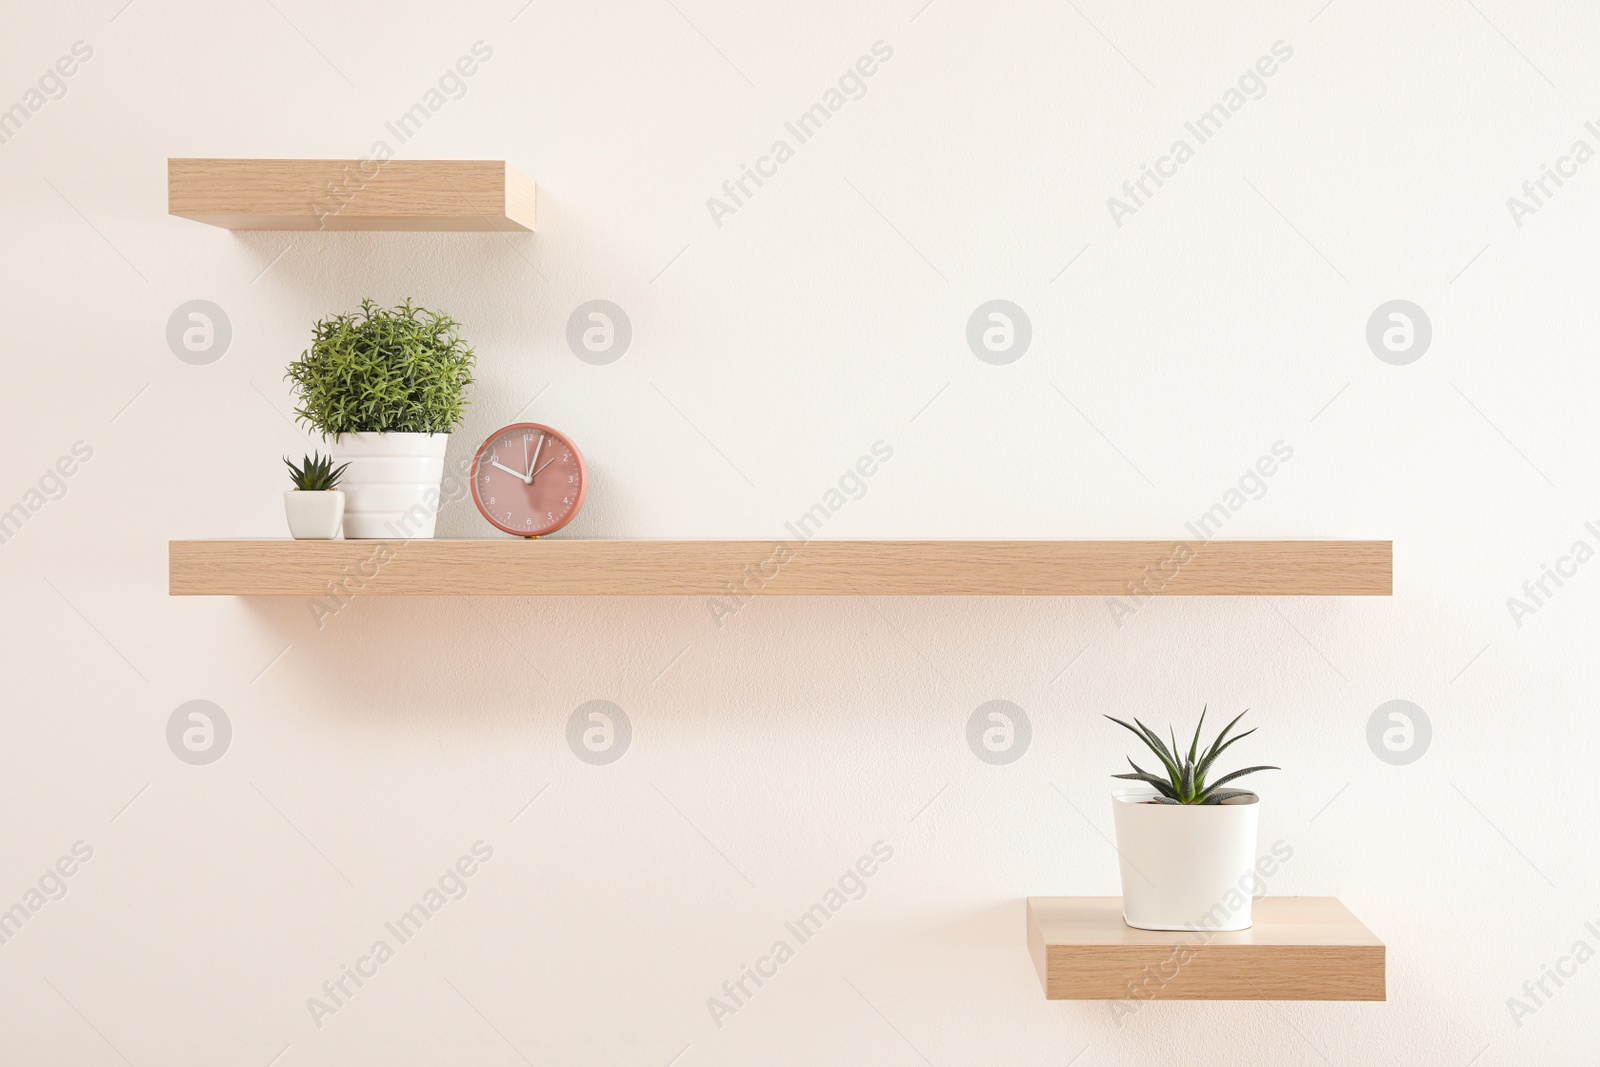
316,473
1186,775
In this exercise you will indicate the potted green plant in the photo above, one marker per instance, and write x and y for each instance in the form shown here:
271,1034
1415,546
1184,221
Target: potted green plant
1187,846
315,506
386,386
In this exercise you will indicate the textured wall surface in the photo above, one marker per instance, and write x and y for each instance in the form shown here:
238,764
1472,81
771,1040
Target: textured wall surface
778,332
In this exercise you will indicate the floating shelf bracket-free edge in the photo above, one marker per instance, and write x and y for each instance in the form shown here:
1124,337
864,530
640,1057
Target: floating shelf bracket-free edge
1300,948
581,567
351,194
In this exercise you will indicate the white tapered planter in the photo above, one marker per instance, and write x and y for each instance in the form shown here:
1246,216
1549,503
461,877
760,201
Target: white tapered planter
313,515
1186,866
392,484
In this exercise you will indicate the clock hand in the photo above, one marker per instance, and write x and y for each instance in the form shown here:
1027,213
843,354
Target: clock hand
546,464
536,450
525,479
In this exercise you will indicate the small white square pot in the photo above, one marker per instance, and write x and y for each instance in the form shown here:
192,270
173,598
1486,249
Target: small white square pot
1185,866
314,516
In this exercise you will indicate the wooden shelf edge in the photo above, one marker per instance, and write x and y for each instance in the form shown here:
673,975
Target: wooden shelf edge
465,195
577,567
1300,948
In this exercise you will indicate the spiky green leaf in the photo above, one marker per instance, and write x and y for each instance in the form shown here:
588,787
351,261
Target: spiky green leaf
1169,759
1223,735
1205,765
1226,794
1142,775
1195,744
1159,745
1153,743
1240,774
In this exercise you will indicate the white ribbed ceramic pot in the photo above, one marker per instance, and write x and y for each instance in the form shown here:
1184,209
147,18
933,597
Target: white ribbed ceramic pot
392,484
1185,866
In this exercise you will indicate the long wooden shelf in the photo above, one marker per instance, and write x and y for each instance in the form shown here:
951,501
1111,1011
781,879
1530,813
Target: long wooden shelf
1300,948
351,194
574,567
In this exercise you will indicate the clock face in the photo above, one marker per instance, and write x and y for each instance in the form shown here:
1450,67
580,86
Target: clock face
529,480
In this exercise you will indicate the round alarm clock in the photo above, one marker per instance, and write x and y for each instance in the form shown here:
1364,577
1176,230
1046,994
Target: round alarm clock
529,480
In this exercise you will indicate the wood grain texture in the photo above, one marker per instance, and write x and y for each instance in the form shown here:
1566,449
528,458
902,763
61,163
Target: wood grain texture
573,567
1300,948
351,194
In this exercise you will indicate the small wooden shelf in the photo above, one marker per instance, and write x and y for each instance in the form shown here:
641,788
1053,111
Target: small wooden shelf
1300,948
351,194
574,567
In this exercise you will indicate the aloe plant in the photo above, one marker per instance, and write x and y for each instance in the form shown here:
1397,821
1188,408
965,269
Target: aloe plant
316,473
1186,775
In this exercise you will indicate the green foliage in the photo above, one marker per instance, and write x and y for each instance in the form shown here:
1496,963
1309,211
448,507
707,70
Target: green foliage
1186,775
384,370
315,474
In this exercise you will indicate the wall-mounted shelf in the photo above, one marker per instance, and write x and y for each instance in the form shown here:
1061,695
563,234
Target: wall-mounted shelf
574,567
1300,948
351,194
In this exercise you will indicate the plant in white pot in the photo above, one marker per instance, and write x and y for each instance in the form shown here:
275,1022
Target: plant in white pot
1187,846
314,507
387,385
